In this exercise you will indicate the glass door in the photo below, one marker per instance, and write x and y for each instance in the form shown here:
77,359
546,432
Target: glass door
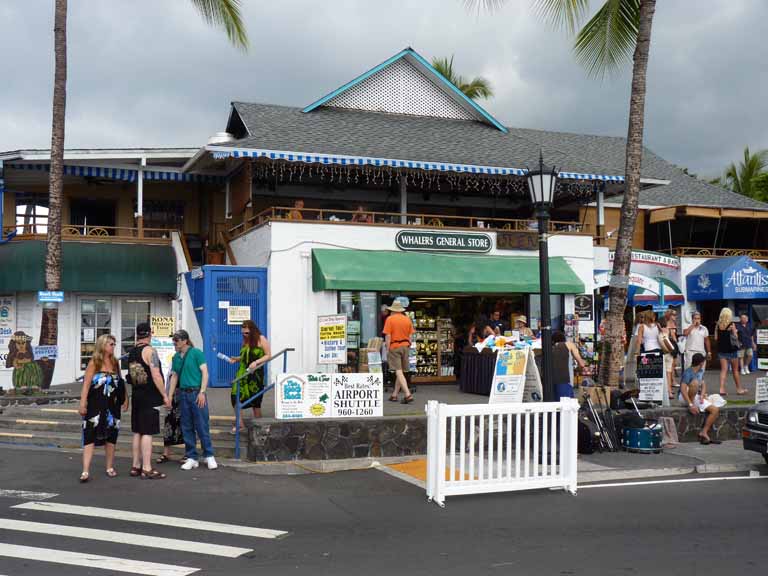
133,312
95,320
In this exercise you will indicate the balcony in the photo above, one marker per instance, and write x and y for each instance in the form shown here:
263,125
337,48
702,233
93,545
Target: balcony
720,252
96,234
395,219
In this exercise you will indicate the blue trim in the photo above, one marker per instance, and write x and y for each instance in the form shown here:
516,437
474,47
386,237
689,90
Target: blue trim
428,66
123,174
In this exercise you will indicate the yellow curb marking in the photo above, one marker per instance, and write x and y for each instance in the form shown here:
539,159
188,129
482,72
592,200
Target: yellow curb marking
48,422
13,435
62,410
418,469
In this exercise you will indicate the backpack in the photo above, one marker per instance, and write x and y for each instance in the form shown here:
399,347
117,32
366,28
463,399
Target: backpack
588,438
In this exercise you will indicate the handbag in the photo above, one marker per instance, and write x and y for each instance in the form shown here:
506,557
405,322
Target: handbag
735,340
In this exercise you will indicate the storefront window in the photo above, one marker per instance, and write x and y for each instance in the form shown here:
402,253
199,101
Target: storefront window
95,320
134,312
555,311
31,213
362,325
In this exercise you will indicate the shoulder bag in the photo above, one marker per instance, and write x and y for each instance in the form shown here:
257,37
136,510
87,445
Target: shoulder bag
735,340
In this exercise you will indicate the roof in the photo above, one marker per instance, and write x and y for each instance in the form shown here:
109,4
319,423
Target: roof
406,83
44,154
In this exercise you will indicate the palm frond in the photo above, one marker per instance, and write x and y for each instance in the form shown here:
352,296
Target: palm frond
483,5
445,67
567,14
224,14
478,87
607,42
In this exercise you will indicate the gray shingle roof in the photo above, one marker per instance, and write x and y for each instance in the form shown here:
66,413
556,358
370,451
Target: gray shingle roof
359,133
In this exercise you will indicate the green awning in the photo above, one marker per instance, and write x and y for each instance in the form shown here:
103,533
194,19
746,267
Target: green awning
389,271
90,267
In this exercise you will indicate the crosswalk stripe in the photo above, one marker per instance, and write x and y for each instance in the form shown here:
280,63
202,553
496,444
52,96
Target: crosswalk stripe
128,516
24,495
93,561
123,538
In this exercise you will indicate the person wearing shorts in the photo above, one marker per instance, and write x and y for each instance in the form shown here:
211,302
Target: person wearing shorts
693,394
398,329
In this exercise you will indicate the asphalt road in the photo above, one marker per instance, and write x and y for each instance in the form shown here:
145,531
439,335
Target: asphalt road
369,522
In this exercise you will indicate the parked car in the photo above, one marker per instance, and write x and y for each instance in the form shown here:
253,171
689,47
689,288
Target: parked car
755,431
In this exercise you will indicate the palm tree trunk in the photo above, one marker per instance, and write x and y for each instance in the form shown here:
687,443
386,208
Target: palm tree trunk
49,325
611,359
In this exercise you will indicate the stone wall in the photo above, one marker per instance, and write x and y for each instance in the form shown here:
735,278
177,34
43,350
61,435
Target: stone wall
281,440
727,427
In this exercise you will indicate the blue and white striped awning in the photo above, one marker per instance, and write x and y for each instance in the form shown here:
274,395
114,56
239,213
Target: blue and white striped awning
221,152
122,174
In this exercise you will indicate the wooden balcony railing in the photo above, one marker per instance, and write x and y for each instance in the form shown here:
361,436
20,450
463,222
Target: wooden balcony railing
720,252
82,233
413,220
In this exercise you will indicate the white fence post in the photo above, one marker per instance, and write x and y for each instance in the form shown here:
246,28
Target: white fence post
495,472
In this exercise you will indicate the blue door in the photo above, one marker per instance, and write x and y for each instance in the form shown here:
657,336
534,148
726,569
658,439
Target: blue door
222,296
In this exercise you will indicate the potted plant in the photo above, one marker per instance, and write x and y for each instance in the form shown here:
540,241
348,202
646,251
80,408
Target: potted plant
215,254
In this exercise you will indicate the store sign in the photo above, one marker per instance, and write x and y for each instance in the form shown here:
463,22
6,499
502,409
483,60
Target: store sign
651,258
49,352
309,396
7,328
50,296
162,326
742,279
749,280
425,241
761,390
583,306
332,338
761,338
516,378
517,241
650,377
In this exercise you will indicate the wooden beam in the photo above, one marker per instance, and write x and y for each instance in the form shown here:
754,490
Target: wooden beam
662,214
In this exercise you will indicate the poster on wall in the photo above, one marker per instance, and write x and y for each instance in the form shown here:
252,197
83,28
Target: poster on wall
7,327
650,377
583,306
344,395
238,314
165,351
162,326
761,339
516,378
332,337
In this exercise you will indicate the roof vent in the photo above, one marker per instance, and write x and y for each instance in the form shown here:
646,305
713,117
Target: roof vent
221,138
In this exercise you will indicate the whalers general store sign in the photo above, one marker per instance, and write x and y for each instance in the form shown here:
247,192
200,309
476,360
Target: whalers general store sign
422,241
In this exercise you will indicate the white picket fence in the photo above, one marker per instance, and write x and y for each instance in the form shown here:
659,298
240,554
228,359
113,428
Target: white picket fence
483,448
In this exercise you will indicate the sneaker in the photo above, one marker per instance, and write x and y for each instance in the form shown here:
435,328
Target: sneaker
190,464
211,463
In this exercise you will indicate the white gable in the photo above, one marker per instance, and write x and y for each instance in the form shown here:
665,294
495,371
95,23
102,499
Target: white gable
401,88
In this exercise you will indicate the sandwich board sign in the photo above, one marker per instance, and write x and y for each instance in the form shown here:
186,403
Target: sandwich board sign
761,390
650,377
516,378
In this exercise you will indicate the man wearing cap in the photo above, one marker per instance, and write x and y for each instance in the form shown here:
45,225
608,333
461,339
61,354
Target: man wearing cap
148,393
190,371
398,329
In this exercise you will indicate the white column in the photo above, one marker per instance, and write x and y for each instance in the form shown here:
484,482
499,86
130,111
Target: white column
601,207
140,189
403,200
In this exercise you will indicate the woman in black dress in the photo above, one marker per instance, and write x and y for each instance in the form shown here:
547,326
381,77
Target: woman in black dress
102,395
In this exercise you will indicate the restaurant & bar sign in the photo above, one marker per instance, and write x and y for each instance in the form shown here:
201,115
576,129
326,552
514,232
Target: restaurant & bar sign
427,241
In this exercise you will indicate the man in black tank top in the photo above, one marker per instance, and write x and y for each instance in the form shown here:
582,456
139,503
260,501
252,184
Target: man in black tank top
148,393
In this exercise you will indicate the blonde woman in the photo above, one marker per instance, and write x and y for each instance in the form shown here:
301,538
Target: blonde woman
726,351
100,398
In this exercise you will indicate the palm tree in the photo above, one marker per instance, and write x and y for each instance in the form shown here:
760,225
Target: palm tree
741,178
619,32
476,88
218,13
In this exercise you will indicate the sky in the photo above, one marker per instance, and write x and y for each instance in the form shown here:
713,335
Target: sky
152,73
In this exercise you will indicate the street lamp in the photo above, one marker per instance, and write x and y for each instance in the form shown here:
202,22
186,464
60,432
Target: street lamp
541,184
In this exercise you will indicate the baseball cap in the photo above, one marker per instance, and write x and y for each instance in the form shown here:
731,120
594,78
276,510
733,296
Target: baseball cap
143,330
180,335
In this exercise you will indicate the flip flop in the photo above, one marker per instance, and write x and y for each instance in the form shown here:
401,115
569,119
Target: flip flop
152,475
162,459
111,472
84,477
135,472
743,392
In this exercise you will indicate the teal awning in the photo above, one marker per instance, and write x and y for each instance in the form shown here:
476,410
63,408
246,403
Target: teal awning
385,271
90,267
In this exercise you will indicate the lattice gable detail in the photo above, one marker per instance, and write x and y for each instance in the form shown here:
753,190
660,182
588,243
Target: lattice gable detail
401,88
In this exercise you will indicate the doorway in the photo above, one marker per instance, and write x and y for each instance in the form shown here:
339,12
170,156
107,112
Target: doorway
90,214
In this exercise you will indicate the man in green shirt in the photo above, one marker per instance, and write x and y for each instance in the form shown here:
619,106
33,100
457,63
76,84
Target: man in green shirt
190,372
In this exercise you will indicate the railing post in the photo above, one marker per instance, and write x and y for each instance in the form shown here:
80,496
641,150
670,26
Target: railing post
431,410
237,420
568,443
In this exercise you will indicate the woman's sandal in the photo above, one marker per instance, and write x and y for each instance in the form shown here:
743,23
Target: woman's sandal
742,392
162,459
152,475
393,398
111,472
408,399
135,472
84,477
704,441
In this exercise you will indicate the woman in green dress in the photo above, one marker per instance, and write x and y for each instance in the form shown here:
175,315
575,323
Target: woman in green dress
253,355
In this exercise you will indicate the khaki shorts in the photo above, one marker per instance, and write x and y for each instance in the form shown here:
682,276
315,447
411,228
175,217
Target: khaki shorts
398,358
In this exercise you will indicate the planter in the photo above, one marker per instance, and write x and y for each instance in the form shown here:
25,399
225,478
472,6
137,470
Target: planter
215,257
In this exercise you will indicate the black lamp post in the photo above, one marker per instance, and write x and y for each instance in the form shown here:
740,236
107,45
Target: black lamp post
541,184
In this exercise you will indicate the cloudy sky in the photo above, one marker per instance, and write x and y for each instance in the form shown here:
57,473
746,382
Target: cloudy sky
150,73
